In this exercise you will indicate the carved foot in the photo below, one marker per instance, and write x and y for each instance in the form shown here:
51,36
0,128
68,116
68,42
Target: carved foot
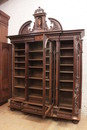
55,119
25,113
12,109
75,121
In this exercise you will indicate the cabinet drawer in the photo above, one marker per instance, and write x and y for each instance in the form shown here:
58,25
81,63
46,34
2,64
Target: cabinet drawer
16,105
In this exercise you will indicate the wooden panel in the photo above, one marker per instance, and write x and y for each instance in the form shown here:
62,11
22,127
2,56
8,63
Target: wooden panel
3,26
6,73
38,38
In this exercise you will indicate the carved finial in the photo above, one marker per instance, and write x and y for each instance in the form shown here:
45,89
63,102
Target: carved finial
39,10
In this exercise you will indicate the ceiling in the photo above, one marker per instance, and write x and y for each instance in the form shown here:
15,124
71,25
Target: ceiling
2,1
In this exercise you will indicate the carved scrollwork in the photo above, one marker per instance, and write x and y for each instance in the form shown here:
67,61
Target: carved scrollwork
76,96
76,88
55,25
40,23
25,28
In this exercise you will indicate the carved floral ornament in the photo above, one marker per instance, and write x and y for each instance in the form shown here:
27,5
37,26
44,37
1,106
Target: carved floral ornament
77,85
40,23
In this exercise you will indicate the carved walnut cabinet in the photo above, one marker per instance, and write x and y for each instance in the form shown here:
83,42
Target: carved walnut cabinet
47,69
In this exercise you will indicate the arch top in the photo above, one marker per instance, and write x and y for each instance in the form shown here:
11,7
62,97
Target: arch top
40,23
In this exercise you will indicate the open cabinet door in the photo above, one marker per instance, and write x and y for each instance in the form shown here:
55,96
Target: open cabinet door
47,77
6,71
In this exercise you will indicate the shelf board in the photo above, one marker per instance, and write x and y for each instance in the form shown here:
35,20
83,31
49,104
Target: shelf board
19,55
47,71
47,88
35,59
69,72
35,96
66,90
65,106
20,99
36,87
68,81
66,64
66,56
19,86
35,104
38,78
36,67
66,48
19,49
19,68
19,76
47,56
47,49
47,64
47,79
35,51
19,62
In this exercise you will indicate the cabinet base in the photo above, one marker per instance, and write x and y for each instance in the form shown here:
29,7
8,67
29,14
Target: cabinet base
27,108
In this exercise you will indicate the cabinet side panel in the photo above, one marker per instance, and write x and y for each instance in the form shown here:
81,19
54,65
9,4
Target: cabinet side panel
10,70
0,70
5,76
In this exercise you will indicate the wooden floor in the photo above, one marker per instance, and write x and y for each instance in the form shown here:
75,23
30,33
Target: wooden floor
14,120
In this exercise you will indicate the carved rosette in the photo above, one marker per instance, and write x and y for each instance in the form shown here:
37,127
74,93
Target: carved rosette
77,85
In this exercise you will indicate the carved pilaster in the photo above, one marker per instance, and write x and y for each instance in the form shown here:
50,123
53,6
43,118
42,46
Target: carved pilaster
77,83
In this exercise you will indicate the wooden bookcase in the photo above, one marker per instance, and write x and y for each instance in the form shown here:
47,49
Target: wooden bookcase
47,69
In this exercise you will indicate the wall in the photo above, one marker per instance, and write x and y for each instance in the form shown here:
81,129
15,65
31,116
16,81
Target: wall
71,15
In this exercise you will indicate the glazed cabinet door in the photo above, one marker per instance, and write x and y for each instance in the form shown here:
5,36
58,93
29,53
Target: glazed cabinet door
64,77
39,85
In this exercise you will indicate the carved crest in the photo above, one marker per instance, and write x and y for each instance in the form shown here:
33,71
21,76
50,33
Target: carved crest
40,23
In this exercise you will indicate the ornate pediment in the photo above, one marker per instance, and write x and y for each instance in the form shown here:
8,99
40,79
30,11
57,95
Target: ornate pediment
40,23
